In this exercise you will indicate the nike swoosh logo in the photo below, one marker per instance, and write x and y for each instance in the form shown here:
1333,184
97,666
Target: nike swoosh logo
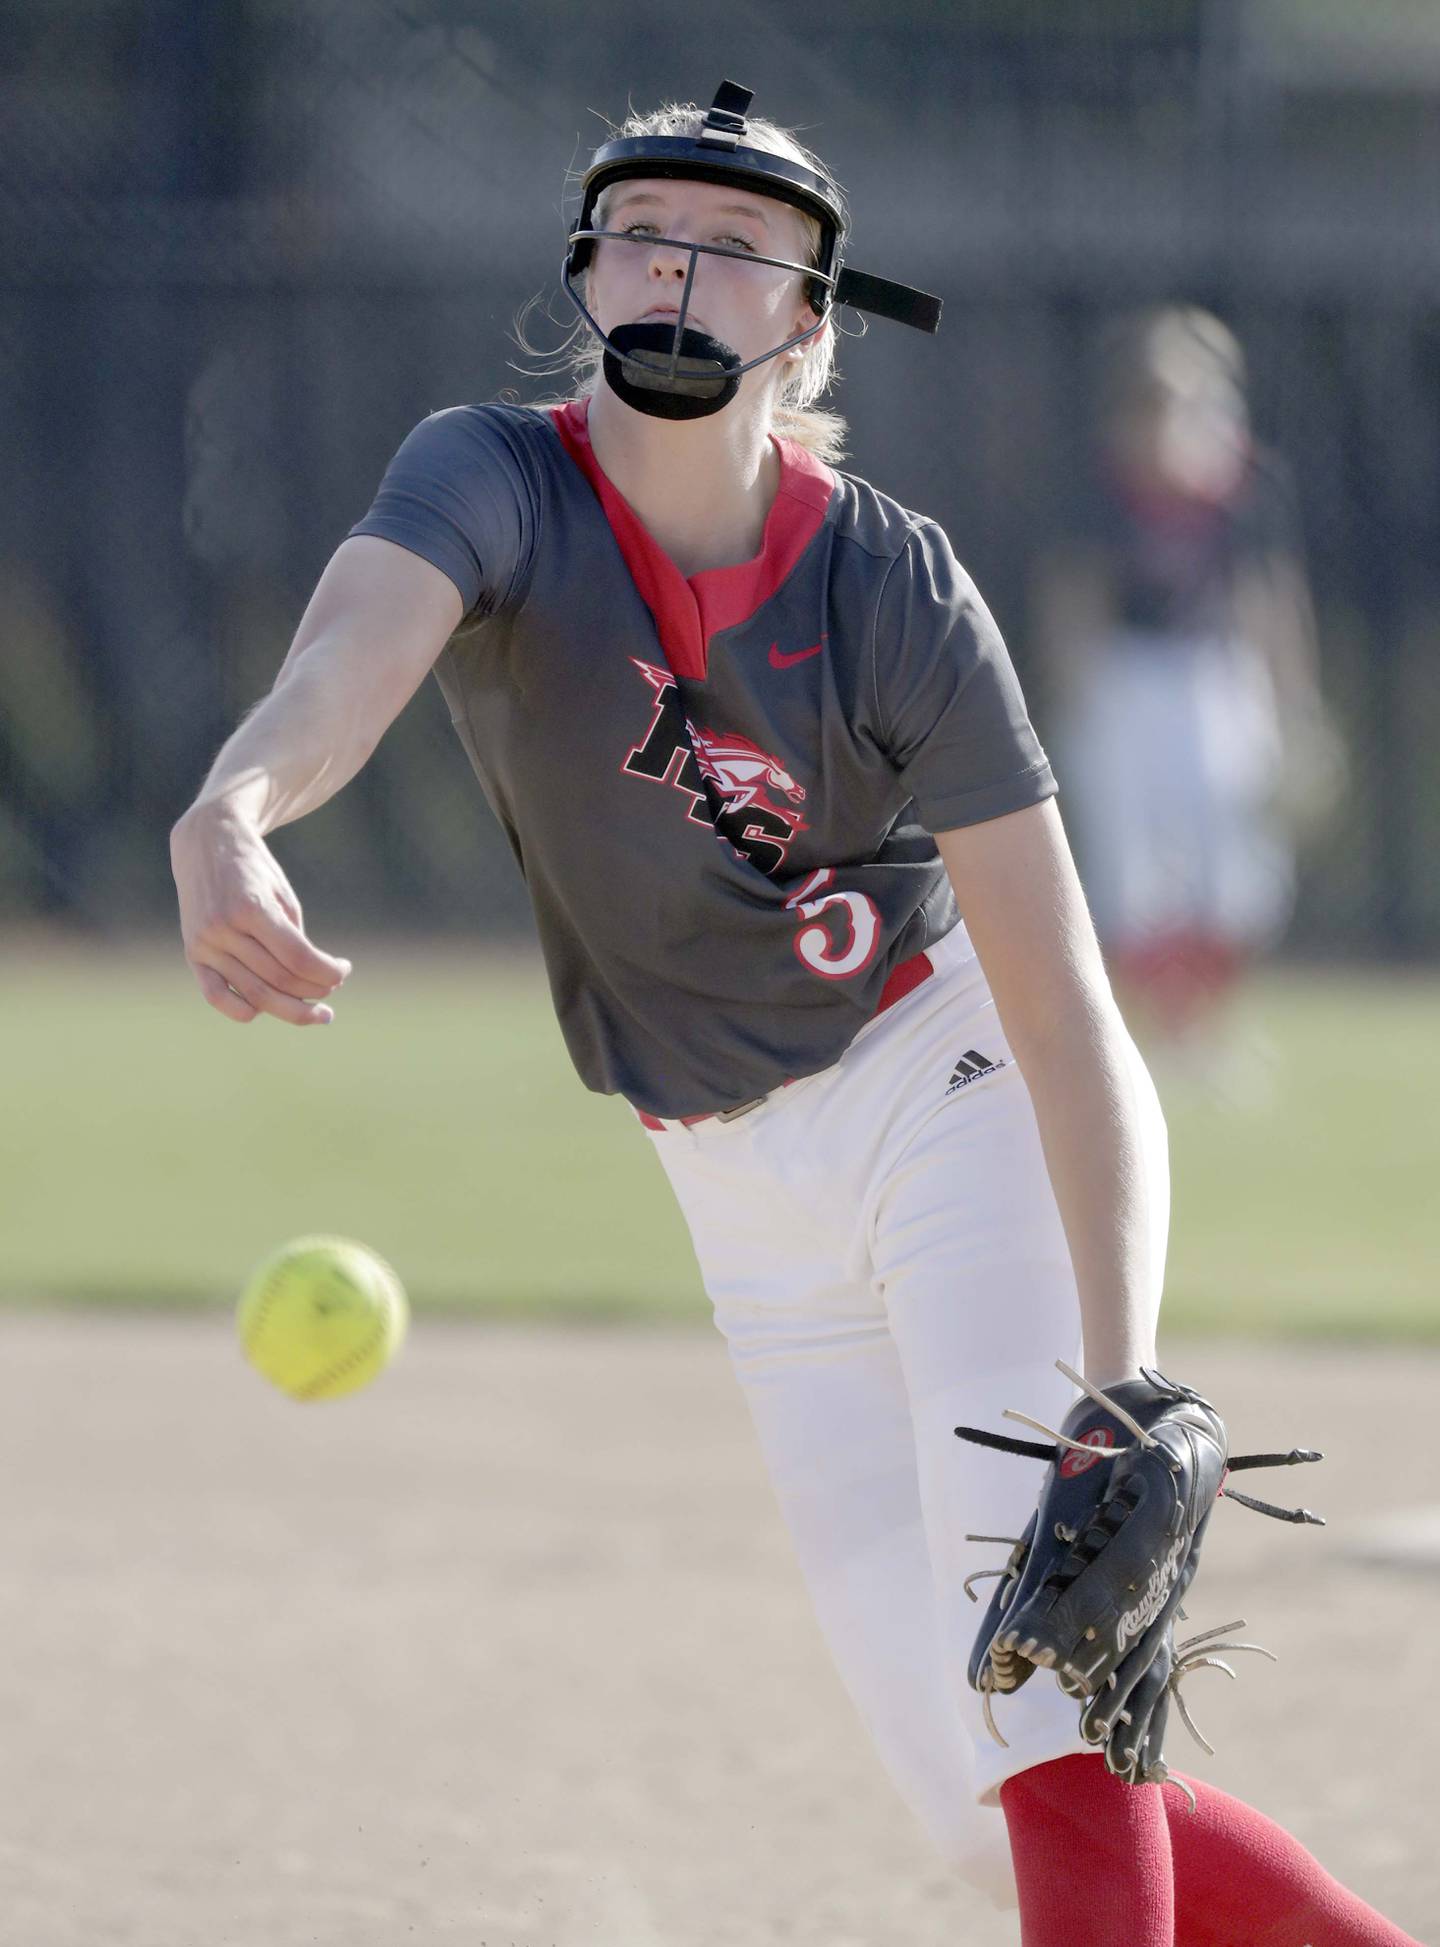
778,660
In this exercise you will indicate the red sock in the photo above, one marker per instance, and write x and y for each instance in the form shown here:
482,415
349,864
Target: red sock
1091,1857
1243,1881
1119,1865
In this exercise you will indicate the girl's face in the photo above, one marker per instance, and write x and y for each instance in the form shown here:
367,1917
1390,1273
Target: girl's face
750,307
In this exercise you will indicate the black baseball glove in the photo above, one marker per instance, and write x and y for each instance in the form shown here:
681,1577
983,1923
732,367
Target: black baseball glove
1093,1587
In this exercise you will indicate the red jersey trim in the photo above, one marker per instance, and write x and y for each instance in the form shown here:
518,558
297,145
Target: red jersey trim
904,979
689,613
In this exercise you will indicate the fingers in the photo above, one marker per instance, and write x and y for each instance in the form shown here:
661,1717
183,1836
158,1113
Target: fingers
257,962
221,997
284,940
242,927
257,995
252,953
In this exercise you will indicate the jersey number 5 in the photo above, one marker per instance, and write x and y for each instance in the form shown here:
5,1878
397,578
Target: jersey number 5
854,949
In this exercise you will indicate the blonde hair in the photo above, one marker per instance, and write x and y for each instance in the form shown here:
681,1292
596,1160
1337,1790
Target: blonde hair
794,414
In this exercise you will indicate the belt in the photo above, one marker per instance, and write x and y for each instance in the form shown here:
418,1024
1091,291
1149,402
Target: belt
902,980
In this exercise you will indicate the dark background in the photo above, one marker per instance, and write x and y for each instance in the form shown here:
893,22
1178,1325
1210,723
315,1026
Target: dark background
245,245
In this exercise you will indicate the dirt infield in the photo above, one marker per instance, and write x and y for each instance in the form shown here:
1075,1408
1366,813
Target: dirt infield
511,1650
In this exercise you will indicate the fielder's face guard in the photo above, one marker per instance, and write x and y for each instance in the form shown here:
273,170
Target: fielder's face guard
674,373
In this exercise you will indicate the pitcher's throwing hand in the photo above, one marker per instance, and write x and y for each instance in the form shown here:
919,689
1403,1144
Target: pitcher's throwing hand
241,923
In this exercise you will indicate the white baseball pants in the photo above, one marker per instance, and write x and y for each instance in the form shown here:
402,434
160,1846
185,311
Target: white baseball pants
886,1262
1171,750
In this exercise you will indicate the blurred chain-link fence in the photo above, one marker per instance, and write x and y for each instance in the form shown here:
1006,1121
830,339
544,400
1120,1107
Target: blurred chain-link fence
247,245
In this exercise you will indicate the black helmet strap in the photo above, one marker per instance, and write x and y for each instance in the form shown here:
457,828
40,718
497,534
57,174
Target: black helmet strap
899,302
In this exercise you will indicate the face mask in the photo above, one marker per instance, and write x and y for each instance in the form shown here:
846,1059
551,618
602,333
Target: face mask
668,370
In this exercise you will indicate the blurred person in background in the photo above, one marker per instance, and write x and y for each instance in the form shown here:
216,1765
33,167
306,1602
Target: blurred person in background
1192,740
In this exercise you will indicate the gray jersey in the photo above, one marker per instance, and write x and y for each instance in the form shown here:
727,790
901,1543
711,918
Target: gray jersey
720,791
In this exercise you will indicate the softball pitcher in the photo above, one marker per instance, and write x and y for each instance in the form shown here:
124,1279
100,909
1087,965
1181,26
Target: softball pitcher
805,902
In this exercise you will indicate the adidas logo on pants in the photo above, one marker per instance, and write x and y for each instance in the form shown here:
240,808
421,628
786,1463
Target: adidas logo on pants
970,1067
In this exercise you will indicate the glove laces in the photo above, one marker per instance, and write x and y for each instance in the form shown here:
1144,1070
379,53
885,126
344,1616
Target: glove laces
1237,1463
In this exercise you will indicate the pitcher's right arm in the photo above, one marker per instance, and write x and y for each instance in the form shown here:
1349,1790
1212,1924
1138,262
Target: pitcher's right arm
377,621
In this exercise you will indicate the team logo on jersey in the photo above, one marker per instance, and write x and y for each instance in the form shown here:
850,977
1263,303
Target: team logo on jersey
735,787
743,774
1100,1438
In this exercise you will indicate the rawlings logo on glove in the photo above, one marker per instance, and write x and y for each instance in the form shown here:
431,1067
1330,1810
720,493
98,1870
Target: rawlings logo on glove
1135,1472
1162,1576
1088,1454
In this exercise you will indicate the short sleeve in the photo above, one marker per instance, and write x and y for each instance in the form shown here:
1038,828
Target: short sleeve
462,493
948,699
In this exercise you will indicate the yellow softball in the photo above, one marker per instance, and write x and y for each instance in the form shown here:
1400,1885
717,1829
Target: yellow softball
321,1317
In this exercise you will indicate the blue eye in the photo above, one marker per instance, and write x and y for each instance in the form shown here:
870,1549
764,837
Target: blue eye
639,226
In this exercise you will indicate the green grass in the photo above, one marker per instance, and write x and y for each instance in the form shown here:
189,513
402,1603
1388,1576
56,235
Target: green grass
1319,1214
151,1152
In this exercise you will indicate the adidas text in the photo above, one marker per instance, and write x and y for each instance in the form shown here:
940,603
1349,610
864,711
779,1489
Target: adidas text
970,1067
